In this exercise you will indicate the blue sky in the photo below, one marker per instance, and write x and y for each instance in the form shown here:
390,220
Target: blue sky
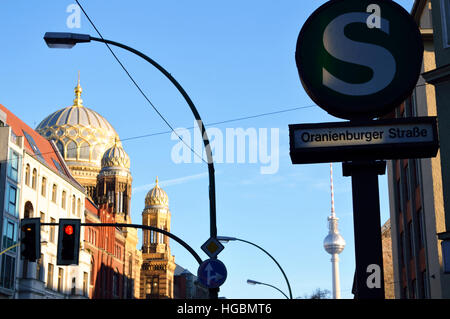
235,59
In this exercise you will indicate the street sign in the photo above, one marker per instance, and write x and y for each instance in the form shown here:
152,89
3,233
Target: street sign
212,273
212,247
414,137
359,59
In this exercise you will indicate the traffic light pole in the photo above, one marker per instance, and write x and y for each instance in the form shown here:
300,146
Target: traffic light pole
170,235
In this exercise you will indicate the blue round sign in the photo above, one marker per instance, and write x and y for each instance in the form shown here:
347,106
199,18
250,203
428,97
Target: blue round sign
212,273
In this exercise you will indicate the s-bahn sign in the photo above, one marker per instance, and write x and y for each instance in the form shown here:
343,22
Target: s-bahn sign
359,58
414,137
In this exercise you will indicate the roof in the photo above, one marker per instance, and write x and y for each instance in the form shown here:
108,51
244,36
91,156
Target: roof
38,147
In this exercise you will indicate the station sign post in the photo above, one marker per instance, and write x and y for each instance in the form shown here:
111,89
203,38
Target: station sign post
358,60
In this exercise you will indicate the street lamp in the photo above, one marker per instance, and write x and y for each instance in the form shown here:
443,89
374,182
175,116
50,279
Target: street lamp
254,282
67,40
226,239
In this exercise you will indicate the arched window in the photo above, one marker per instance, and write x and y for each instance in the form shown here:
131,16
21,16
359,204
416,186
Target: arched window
34,179
54,189
27,175
92,270
84,151
72,150
28,211
60,147
78,207
63,200
73,204
44,186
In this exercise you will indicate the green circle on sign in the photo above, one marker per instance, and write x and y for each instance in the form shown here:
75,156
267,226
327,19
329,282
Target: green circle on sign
359,59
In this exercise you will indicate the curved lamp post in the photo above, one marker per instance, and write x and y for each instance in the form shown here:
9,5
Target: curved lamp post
68,40
227,239
254,282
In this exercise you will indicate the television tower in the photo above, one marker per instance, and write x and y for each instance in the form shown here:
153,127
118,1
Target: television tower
334,243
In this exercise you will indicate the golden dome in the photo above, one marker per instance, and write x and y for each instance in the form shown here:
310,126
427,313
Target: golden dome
81,134
116,157
156,196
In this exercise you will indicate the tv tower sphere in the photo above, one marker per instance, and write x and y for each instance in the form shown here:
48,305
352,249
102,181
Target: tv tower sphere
334,243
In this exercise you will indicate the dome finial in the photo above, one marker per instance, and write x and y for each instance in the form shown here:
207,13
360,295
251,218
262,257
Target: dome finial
156,181
78,101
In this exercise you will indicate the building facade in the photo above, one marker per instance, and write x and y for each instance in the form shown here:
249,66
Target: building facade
45,189
415,192
94,154
158,265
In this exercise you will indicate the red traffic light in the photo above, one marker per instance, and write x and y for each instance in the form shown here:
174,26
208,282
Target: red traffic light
68,229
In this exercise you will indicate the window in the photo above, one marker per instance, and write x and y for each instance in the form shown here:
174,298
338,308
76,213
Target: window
9,234
33,145
401,248
73,204
63,200
92,270
74,286
60,279
27,175
445,18
425,284
12,201
7,274
71,150
85,283
116,283
411,239
50,276
52,230
42,217
39,268
421,228
34,179
84,151
407,186
13,167
44,186
54,189
78,207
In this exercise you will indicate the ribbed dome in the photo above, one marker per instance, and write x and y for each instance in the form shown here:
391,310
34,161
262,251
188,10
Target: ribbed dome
156,196
116,157
81,134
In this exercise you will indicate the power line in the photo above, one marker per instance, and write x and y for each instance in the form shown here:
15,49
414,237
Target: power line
167,132
137,86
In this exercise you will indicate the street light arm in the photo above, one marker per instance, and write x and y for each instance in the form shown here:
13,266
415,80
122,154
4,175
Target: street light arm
262,283
285,277
212,191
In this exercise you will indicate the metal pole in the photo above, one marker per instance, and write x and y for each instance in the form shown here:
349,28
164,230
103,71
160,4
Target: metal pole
282,271
367,227
177,239
262,283
212,189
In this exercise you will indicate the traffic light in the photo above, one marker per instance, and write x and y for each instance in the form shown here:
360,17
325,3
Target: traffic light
30,238
68,242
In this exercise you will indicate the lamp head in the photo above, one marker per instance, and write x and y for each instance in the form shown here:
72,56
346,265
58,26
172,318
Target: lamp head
225,239
65,40
252,282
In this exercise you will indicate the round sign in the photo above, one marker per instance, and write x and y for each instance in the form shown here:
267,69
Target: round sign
359,59
212,273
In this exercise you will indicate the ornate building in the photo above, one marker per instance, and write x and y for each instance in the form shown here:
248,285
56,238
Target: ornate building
82,137
158,264
94,154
